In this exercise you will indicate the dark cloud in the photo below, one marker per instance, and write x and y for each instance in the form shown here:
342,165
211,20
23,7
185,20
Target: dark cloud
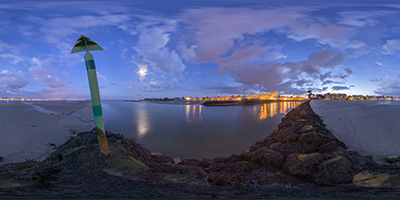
318,90
326,75
347,73
330,82
327,82
326,58
336,88
375,80
282,77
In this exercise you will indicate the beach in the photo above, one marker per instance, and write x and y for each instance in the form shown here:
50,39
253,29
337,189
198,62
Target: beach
368,127
31,130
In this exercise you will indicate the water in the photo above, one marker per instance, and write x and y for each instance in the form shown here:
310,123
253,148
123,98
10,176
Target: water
194,131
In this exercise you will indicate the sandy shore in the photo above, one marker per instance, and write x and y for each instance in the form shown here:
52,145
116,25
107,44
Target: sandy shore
369,127
28,128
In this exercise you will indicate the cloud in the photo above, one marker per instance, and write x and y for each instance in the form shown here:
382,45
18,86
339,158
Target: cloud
326,58
284,76
12,53
391,47
15,59
157,86
57,28
327,82
152,47
11,81
326,75
375,80
361,18
337,88
347,73
42,74
389,86
107,81
216,29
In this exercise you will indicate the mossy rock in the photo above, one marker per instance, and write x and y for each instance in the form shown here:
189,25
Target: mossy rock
302,120
123,162
311,156
307,127
380,180
190,179
10,183
393,159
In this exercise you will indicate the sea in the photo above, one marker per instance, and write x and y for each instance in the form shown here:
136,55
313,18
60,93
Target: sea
193,130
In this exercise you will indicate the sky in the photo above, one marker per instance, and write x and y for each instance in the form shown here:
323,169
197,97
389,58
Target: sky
179,48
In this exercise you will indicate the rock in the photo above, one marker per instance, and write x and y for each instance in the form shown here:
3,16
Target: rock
1,158
358,162
177,160
329,147
263,143
307,128
284,148
334,171
315,138
267,157
393,159
302,164
373,179
303,113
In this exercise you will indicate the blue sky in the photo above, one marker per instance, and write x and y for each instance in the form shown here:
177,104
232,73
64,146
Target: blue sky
200,48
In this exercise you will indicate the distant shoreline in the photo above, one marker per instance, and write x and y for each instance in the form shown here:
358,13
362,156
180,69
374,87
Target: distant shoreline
212,102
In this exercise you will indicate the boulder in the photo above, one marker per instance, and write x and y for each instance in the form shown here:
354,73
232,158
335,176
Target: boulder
284,148
334,171
302,164
358,162
267,157
374,179
392,159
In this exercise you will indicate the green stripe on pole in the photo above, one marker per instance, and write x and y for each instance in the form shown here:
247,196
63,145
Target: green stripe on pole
90,64
97,110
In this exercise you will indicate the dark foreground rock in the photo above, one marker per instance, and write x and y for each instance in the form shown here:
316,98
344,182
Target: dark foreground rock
301,158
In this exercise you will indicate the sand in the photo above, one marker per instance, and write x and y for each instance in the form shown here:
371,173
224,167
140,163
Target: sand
369,127
28,129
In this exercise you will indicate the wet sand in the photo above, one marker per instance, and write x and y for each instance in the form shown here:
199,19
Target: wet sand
369,127
29,128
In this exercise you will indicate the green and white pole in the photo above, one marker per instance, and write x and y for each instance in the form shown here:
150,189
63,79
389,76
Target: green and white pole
85,44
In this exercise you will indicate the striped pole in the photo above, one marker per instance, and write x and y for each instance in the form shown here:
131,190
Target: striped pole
85,44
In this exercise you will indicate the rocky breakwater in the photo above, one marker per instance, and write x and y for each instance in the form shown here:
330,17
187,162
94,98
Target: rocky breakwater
301,150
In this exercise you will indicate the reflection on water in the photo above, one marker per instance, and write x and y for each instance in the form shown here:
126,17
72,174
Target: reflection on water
271,109
142,121
194,131
193,117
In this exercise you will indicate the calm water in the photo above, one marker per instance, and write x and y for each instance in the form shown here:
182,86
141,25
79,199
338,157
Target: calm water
194,131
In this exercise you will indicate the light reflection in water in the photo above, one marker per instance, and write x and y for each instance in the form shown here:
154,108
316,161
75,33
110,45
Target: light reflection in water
193,117
142,121
271,109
